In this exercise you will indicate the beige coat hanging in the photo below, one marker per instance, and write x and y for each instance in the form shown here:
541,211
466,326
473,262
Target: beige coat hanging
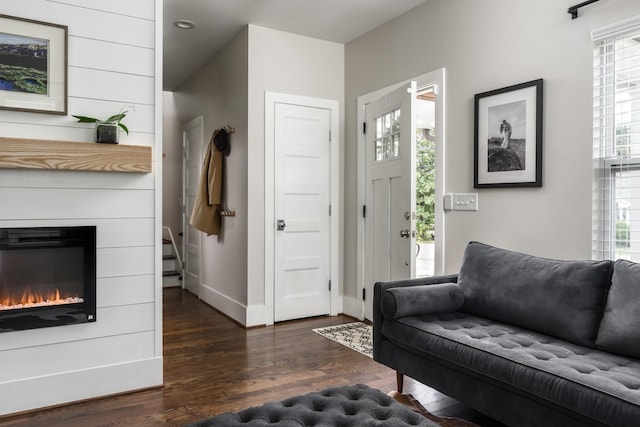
205,216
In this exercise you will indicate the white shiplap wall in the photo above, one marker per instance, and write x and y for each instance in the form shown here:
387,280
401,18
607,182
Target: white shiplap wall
113,64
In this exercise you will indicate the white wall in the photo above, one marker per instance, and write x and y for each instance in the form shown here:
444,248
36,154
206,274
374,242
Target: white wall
171,169
218,92
229,90
112,64
291,64
483,46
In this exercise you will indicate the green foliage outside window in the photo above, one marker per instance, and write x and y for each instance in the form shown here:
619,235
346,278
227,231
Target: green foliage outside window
425,184
623,234
623,142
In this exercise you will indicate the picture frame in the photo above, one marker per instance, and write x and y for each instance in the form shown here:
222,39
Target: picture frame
33,65
508,136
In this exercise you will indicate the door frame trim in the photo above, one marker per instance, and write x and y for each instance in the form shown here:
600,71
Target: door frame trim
436,77
270,99
194,123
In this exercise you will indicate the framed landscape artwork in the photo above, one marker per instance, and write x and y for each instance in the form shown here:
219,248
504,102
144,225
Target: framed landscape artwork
508,137
33,66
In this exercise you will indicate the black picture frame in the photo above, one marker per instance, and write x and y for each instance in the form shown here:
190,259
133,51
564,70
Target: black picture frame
508,136
33,65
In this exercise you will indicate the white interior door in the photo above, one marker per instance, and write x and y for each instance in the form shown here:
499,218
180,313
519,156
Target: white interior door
390,183
302,211
192,139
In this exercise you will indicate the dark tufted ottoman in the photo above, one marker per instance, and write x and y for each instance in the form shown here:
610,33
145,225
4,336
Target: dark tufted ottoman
348,406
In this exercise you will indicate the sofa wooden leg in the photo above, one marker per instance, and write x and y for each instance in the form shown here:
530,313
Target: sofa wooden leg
399,381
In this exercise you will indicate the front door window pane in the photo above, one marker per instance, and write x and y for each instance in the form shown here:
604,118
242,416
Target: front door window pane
387,137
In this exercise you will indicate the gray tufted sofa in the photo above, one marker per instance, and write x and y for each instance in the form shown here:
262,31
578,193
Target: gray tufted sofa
528,341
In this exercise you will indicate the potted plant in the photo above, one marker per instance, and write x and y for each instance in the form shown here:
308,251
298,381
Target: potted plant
106,130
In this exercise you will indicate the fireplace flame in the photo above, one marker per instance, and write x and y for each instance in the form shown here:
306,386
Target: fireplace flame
30,299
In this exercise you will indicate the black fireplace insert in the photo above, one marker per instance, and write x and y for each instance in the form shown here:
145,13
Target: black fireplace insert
47,277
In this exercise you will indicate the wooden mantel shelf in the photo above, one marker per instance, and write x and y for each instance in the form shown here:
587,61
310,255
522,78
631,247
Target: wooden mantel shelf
19,153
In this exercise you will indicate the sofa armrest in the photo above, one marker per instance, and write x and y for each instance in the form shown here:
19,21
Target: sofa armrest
380,287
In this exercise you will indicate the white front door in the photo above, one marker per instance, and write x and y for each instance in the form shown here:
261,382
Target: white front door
390,189
192,139
302,211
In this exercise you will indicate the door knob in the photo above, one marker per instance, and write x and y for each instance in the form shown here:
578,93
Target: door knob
281,224
405,233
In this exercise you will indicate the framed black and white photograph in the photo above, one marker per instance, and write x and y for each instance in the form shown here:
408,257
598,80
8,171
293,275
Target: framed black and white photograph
33,66
508,137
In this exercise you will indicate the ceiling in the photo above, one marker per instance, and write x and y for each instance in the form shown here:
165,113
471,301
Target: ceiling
218,21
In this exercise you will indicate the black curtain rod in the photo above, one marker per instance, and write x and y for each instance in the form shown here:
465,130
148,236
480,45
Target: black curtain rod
573,10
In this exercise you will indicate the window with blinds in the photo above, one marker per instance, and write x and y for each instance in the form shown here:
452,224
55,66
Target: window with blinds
616,141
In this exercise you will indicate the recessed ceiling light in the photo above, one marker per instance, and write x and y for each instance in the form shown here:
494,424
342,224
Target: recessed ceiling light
184,24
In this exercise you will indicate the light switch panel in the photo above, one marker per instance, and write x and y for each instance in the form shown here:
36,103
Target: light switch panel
465,201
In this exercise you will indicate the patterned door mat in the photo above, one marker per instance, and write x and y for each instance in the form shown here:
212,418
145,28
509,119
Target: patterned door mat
357,336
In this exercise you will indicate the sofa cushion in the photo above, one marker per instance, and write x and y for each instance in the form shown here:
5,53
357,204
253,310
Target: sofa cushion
596,384
564,299
425,299
620,328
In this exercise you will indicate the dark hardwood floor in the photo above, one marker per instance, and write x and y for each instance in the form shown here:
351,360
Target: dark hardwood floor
212,365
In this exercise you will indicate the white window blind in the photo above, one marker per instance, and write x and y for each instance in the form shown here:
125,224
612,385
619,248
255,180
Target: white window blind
616,141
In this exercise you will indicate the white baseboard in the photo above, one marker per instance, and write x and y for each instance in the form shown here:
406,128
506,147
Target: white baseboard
41,392
224,304
255,315
247,316
353,307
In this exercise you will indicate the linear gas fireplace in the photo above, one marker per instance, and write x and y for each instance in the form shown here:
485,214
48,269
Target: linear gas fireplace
47,277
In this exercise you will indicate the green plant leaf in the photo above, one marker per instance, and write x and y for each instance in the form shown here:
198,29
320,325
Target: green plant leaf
124,128
116,118
85,119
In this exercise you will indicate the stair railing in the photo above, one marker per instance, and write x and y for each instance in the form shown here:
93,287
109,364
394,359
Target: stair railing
173,244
